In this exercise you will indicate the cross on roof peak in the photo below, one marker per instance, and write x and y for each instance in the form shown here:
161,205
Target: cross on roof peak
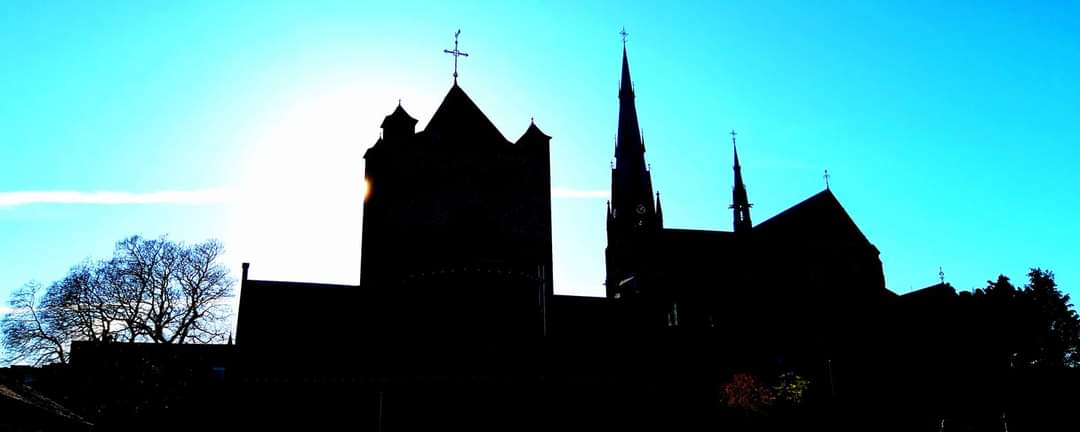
456,53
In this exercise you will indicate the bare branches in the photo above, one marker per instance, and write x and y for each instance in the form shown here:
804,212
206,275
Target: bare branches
29,330
153,290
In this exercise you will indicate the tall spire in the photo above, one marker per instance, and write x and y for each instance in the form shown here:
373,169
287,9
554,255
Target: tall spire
631,183
629,142
740,204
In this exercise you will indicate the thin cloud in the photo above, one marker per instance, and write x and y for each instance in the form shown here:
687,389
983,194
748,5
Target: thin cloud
193,197
578,193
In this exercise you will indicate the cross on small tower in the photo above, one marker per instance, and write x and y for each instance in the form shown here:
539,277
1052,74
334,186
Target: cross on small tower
941,274
624,34
456,53
826,177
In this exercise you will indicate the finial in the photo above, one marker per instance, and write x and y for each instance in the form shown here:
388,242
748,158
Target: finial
941,274
733,133
398,102
624,34
826,177
532,120
456,53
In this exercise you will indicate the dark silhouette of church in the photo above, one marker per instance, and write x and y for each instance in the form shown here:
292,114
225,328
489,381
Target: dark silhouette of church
810,255
455,323
456,283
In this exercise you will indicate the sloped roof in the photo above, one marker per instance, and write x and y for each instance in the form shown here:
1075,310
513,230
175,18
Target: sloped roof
817,219
533,133
458,121
398,116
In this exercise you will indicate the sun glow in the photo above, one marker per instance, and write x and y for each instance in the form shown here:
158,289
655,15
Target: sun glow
298,208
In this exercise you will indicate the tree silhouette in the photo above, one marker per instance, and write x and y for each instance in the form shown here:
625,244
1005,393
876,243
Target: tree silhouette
31,331
1054,325
1033,327
151,290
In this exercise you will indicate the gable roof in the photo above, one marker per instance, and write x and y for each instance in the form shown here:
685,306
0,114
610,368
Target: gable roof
458,121
817,219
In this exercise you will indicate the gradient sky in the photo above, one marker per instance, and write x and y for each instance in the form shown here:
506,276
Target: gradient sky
950,128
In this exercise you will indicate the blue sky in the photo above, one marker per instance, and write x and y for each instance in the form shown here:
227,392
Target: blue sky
950,128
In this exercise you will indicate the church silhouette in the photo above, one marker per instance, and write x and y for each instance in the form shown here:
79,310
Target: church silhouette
455,324
456,295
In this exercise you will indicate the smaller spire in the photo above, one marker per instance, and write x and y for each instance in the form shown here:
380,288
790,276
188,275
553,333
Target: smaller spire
740,204
735,147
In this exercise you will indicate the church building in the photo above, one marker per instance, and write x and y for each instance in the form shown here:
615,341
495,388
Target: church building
778,282
455,311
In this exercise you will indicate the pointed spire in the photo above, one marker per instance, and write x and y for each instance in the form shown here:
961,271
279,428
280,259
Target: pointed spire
626,85
631,182
740,204
629,146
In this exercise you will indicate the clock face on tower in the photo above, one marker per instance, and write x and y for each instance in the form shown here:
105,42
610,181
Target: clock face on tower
641,209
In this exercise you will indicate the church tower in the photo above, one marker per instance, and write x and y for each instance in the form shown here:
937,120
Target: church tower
740,204
633,221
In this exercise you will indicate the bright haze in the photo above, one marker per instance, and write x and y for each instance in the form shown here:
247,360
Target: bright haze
951,132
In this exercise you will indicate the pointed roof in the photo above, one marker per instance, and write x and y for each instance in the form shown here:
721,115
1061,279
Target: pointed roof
397,117
626,85
817,219
458,121
533,133
629,147
739,198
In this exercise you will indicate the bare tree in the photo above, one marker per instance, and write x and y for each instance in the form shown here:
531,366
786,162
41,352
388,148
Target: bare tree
151,290
30,330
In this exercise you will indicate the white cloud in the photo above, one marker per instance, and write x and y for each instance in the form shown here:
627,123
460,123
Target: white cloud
193,197
560,192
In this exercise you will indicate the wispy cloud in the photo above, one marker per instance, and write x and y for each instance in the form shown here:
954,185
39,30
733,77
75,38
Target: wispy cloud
192,197
560,192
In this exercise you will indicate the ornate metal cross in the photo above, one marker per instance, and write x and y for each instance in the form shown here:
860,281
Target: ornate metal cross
624,34
826,177
456,53
733,136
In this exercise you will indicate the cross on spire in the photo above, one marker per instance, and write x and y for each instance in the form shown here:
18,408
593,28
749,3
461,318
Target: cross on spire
624,34
826,177
733,133
456,53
